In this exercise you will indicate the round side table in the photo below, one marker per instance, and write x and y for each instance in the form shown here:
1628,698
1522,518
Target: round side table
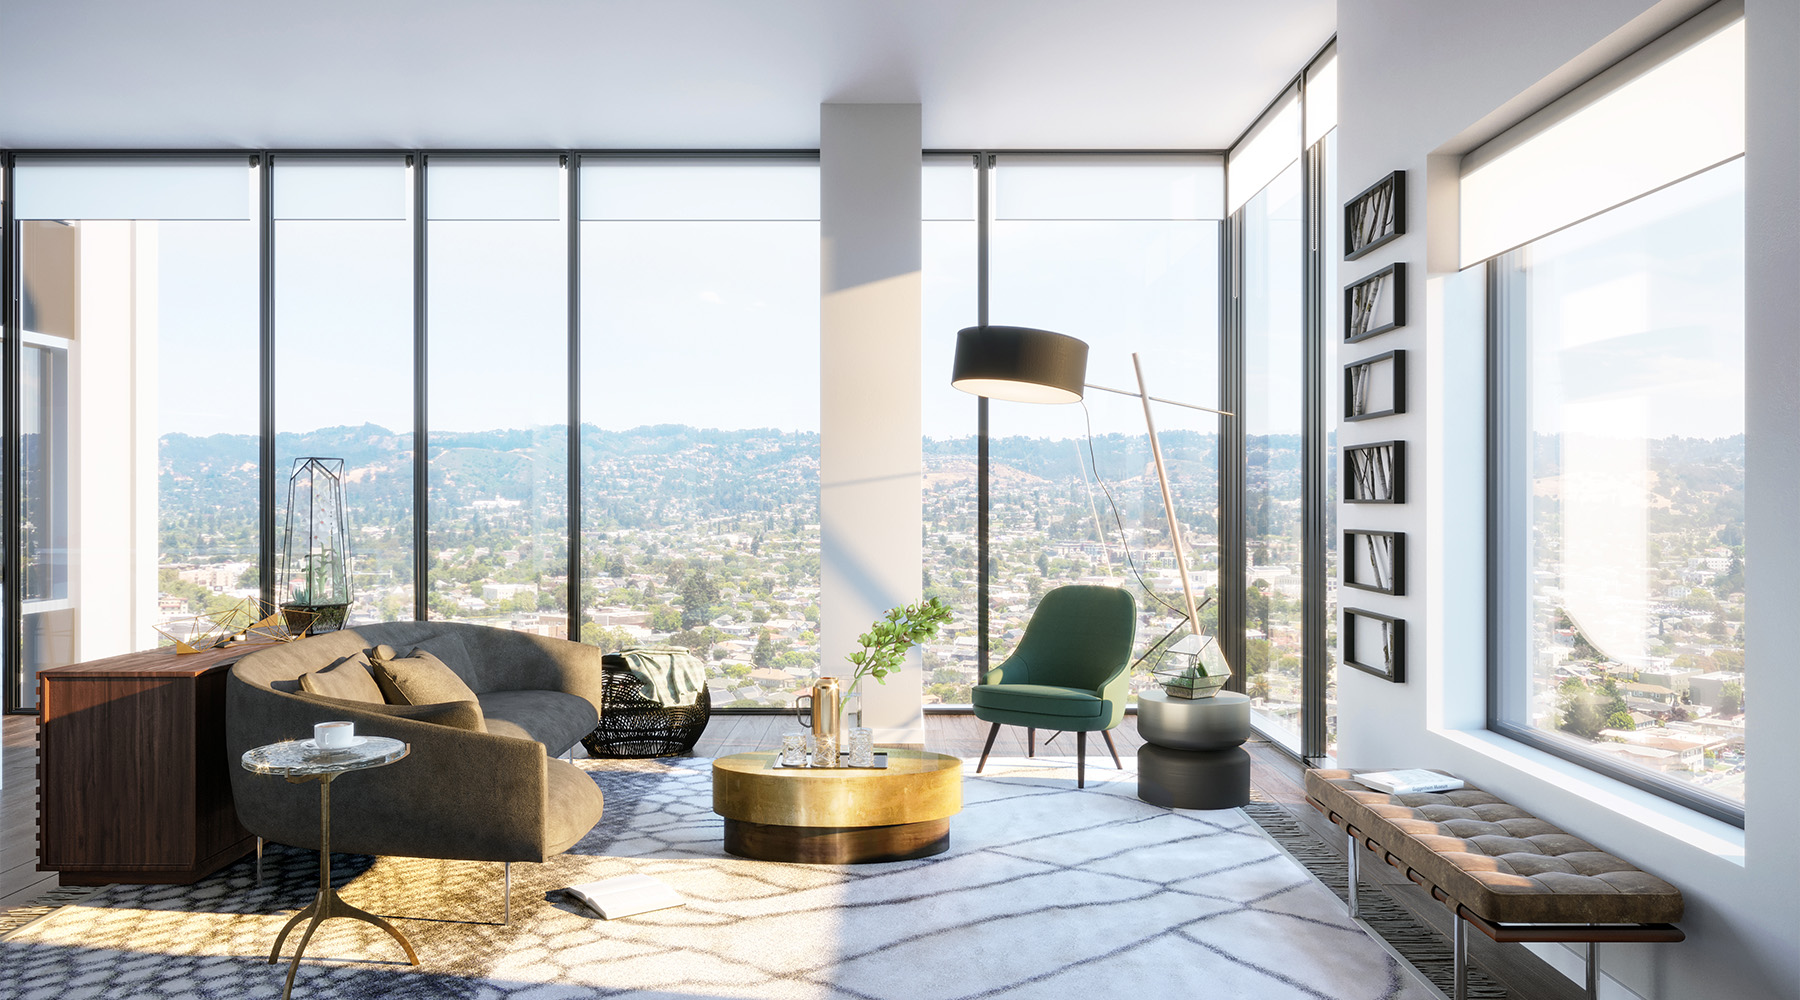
1192,757
299,761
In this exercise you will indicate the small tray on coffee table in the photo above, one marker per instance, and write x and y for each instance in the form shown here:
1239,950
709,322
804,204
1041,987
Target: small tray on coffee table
881,763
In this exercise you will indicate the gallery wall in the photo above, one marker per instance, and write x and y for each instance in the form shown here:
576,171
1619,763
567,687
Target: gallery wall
1421,83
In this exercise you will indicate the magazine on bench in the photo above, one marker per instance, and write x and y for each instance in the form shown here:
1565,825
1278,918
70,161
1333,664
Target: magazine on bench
1415,779
625,895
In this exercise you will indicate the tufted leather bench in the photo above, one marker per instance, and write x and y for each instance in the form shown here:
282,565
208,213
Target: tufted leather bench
1512,875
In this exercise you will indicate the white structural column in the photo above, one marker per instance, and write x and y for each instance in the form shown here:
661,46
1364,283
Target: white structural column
869,315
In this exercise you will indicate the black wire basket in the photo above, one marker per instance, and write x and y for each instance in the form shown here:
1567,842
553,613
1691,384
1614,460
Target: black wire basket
632,726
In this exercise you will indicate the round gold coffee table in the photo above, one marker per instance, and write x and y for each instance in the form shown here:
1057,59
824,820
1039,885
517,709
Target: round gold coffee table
838,815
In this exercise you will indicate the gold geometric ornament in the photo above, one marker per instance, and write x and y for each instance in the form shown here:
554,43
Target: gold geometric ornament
248,621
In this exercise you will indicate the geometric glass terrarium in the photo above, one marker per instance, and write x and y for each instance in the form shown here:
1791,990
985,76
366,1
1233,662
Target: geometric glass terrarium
315,560
1190,666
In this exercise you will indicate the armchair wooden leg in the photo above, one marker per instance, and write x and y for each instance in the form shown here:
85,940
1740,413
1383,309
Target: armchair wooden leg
1107,735
1030,742
1081,760
990,745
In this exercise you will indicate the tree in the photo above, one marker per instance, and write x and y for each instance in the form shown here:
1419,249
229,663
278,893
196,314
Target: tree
1580,715
664,619
698,594
1620,720
764,653
1731,698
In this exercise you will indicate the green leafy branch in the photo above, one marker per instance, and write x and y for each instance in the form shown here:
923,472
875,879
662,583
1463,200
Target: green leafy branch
885,645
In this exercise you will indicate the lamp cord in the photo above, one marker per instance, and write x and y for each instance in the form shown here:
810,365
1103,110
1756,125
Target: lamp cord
1125,545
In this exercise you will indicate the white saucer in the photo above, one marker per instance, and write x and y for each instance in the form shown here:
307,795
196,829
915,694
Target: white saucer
355,742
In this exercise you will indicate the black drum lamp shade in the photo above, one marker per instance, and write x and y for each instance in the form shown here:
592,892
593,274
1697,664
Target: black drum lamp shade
1020,364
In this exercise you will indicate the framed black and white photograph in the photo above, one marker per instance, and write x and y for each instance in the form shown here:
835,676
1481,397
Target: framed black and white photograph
1375,472
1375,561
1376,216
1375,304
1375,387
1375,643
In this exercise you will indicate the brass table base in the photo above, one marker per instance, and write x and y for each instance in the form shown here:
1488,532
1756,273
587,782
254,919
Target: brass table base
836,845
327,904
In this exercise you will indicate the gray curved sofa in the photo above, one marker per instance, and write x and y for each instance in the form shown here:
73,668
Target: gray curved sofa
498,795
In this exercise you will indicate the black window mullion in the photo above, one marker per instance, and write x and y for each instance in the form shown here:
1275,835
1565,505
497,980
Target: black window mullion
421,440
10,300
265,221
572,590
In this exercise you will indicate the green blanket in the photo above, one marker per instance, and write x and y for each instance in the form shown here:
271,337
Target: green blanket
670,676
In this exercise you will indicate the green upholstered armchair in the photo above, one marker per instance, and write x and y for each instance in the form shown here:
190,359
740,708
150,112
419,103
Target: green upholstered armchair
1069,673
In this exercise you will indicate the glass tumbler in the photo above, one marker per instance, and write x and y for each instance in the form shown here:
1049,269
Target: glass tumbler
862,747
793,748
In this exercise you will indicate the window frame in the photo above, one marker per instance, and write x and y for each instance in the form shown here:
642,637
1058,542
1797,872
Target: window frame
1505,568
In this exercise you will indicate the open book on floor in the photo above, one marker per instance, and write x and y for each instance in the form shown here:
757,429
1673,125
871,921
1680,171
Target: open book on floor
625,895
1406,782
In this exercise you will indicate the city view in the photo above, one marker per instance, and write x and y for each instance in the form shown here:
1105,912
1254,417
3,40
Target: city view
709,539
1640,653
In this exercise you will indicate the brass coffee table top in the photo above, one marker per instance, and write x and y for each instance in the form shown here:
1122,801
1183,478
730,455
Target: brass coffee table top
917,786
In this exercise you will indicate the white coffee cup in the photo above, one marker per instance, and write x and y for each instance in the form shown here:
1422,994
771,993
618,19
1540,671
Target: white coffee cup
334,735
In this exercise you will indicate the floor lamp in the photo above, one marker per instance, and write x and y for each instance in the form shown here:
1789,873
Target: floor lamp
1025,365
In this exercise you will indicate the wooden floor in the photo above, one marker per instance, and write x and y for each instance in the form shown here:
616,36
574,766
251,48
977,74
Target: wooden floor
1273,774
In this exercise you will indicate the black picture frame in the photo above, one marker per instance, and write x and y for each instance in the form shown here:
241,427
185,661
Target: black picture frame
1391,664
1386,561
1374,472
1359,376
1376,216
1362,299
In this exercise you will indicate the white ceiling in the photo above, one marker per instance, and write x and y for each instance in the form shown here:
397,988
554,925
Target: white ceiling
640,73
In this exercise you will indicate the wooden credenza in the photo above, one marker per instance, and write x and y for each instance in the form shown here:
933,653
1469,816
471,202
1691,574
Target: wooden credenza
133,784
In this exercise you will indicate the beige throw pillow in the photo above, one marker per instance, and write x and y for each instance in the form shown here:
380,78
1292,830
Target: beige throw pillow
419,679
455,714
349,679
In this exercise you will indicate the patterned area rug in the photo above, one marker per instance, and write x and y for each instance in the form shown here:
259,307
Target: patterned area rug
1047,891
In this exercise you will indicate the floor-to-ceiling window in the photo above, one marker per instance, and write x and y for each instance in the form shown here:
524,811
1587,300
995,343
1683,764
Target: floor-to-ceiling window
343,298
1121,252
700,415
1267,183
1285,225
139,401
950,569
497,391
1325,236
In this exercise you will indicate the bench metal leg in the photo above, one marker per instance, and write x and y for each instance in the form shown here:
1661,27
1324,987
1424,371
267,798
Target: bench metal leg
1593,970
1355,873
1460,946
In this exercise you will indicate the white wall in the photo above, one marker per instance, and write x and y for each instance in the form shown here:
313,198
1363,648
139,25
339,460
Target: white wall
1421,82
870,505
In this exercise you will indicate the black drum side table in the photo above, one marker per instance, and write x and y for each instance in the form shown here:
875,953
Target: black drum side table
633,726
1192,757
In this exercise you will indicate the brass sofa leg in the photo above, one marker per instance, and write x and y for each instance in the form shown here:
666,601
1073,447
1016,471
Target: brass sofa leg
259,843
